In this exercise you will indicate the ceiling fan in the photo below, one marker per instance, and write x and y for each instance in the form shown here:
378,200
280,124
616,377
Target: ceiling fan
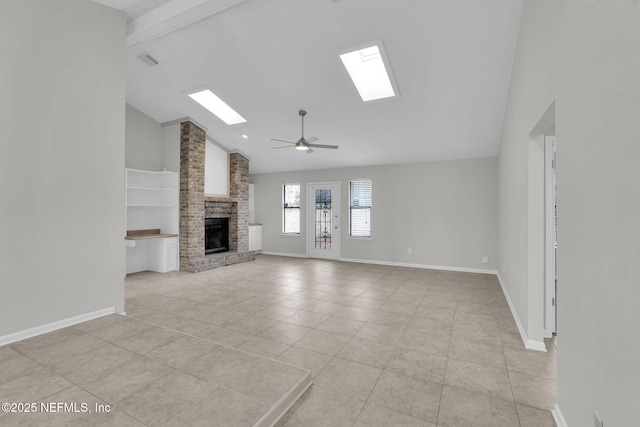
303,144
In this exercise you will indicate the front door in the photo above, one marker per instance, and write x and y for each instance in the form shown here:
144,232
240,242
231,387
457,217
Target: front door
323,220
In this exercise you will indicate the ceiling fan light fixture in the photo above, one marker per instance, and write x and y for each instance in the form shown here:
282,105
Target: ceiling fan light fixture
302,145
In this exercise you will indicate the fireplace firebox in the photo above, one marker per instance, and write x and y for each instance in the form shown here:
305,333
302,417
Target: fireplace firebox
216,235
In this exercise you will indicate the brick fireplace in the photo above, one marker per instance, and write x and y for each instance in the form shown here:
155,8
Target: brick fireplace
195,206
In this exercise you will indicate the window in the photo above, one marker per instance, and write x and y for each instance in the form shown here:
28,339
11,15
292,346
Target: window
217,106
367,70
360,208
291,209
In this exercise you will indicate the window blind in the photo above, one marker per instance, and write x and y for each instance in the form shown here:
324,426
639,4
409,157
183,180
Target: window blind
360,208
291,209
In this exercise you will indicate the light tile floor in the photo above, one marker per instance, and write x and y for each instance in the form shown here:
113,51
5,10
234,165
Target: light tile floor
387,346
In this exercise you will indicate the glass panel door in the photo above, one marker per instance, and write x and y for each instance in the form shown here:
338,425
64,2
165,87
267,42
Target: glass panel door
323,220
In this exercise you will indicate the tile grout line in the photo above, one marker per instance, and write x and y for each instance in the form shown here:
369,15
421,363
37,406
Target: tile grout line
413,316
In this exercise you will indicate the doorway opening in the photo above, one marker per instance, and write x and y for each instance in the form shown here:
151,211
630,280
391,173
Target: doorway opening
551,235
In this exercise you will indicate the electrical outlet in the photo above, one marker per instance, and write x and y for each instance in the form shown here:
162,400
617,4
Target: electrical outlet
597,421
485,260
409,251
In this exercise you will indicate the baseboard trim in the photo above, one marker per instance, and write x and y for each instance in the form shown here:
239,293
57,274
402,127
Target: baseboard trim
558,417
391,263
53,326
424,266
284,254
528,343
536,345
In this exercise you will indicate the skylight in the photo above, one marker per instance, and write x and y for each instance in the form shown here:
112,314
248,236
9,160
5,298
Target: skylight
368,72
217,106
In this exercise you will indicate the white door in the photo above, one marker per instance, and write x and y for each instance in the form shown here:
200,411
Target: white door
323,220
550,235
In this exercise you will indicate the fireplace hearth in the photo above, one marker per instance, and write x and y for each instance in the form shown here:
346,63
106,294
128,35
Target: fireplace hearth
216,235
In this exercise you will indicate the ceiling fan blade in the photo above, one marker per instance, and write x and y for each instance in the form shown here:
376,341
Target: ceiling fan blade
282,140
333,147
303,142
284,146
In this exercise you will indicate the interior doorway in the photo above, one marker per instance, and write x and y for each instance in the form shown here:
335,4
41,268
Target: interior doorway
323,220
551,236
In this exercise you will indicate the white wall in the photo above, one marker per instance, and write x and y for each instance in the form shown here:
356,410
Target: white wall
216,170
529,98
143,141
445,211
599,212
62,122
170,136
585,56
216,159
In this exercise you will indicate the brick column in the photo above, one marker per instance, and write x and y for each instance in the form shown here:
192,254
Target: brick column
192,156
239,191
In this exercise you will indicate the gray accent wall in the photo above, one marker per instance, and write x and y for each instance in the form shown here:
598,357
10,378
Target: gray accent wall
143,148
585,57
446,212
171,147
62,121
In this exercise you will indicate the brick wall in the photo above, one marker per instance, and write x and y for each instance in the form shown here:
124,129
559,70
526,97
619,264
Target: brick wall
239,191
192,154
194,207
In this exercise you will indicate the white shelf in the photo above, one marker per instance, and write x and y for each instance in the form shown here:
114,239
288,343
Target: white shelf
152,202
152,188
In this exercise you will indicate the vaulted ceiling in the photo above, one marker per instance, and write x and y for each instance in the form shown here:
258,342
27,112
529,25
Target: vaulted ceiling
267,59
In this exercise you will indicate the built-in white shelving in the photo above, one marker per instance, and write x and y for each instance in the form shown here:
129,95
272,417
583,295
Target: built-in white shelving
152,202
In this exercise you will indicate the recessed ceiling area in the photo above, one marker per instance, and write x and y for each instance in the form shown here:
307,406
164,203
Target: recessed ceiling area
451,62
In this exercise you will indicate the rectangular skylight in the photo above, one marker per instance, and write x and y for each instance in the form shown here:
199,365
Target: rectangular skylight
368,72
217,106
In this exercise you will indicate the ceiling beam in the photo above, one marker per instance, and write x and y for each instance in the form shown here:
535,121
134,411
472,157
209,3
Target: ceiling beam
172,16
